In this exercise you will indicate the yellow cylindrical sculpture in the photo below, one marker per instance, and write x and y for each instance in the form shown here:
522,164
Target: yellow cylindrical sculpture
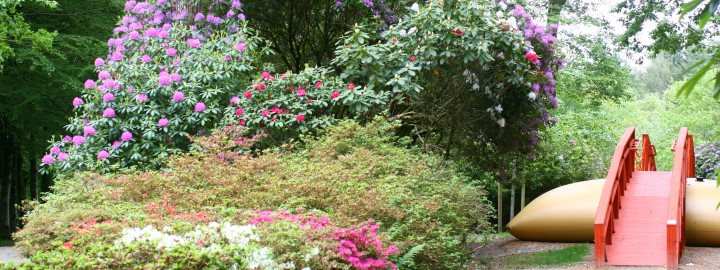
567,213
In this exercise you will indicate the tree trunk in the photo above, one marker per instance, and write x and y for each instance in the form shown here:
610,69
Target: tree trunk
33,176
500,208
522,196
4,176
6,189
19,189
512,201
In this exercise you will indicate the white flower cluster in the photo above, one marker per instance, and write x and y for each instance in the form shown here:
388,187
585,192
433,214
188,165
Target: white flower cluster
212,237
152,235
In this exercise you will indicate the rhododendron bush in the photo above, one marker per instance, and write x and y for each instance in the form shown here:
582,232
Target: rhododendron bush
173,72
460,69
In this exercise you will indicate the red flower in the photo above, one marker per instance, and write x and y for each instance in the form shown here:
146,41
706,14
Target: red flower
457,32
351,86
68,245
300,118
531,57
239,111
318,84
248,94
259,86
412,58
335,95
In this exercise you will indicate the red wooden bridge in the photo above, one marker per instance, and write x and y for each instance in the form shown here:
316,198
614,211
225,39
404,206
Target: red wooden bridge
641,217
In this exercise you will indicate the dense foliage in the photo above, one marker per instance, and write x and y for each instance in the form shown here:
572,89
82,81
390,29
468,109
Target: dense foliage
707,159
337,180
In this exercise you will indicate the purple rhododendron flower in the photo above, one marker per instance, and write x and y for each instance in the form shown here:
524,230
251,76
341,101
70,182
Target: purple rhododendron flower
194,43
163,34
145,59
178,96
107,97
109,113
199,17
55,150
103,75
77,102
90,84
62,156
67,138
134,35
142,97
102,155
171,52
199,107
162,122
214,19
175,77
108,84
130,4
116,56
99,62
151,32
241,16
78,140
338,4
48,159
126,136
164,79
234,100
89,131
120,29
116,144
240,47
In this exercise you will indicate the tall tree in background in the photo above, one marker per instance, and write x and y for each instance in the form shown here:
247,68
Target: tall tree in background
39,81
306,32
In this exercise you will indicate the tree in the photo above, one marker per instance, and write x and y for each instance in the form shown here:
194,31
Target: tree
15,32
465,77
305,32
35,79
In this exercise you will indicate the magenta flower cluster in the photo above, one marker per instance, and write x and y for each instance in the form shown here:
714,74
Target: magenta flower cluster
361,247
358,245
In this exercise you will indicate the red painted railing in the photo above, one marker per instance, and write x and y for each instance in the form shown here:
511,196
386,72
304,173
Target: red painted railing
618,176
683,167
647,155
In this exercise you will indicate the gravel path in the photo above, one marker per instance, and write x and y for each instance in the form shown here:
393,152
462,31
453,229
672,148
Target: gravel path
10,254
492,255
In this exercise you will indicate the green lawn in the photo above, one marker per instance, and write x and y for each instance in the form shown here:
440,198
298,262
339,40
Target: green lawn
564,256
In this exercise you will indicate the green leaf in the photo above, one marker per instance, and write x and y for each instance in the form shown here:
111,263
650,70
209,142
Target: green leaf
716,90
690,84
689,6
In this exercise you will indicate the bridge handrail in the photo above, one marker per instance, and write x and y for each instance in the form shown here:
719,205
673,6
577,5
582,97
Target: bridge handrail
683,167
647,159
618,176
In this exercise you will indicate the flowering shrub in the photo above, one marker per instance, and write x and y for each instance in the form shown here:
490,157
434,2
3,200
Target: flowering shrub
489,60
171,74
707,159
297,200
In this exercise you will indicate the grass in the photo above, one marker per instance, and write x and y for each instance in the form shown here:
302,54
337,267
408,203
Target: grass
564,256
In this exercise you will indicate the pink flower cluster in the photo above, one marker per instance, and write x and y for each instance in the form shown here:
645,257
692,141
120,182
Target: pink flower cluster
362,248
306,220
358,245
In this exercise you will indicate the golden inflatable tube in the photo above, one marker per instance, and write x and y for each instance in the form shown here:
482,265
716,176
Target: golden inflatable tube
567,213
